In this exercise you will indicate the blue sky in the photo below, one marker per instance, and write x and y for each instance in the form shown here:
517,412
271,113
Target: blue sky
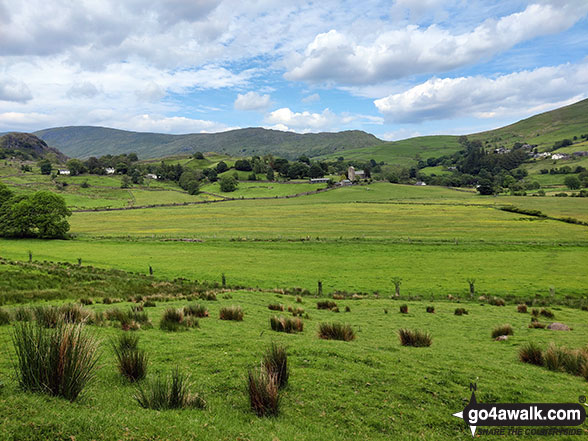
395,68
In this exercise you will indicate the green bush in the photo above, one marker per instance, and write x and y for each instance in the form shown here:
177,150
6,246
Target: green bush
58,361
416,338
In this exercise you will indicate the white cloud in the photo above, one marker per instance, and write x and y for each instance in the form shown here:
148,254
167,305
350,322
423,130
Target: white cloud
82,90
301,121
339,58
174,124
252,101
311,98
518,93
15,91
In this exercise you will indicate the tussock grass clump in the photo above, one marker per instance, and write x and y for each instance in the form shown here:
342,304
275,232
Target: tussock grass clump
416,338
537,325
264,397
298,299
404,309
286,324
23,314
431,309
210,296
131,361
275,307
58,361
326,304
347,309
149,304
86,301
107,301
546,313
74,313
5,317
275,362
522,308
497,301
336,331
559,358
460,311
231,313
531,353
169,393
196,310
174,320
48,316
535,312
296,312
502,330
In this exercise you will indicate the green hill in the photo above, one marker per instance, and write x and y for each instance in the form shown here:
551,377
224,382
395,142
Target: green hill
84,141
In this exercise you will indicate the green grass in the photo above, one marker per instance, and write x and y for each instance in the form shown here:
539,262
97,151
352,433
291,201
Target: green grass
396,392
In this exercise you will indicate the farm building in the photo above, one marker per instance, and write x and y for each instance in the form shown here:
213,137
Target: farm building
109,170
151,176
64,172
353,174
319,180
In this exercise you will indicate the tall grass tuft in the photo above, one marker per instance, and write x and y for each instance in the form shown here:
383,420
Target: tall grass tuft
23,314
431,309
522,308
461,311
404,309
263,392
131,361
174,320
566,360
275,362
59,361
546,313
531,353
286,324
5,317
169,393
326,304
231,313
502,330
416,338
196,310
336,331
275,307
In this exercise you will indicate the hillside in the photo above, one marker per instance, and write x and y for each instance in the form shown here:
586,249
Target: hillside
30,146
85,141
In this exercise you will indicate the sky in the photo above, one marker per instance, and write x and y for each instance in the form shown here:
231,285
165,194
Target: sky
396,69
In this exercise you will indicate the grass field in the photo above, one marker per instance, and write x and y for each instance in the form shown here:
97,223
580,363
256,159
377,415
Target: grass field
370,388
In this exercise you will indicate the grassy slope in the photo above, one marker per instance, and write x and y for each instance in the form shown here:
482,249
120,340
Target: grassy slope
371,388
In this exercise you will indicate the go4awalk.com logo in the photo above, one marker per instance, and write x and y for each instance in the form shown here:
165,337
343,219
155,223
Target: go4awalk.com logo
507,418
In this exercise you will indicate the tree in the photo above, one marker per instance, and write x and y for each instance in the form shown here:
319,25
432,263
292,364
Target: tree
125,182
221,167
198,155
76,167
45,166
190,181
228,184
315,171
485,187
572,182
243,165
270,174
397,281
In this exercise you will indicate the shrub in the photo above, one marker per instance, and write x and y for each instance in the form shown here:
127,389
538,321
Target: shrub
174,320
275,362
263,392
531,353
196,310
404,309
522,308
546,313
431,309
169,393
326,304
336,331
460,311
502,330
231,313
416,338
131,361
286,324
4,317
275,307
59,361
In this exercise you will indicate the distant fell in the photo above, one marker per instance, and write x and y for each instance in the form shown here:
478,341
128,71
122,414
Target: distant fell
86,141
30,145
